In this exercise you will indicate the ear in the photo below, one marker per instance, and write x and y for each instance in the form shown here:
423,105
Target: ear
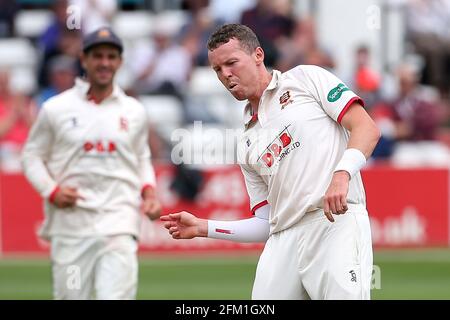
259,55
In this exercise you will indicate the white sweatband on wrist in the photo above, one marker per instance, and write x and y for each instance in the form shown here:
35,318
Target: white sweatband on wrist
255,229
352,161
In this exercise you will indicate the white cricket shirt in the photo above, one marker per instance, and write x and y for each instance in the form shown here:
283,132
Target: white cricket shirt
289,152
102,150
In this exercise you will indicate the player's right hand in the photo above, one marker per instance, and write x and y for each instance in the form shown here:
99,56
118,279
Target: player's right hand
184,225
66,197
335,199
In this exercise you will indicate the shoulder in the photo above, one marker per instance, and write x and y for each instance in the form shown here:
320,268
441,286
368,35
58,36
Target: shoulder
132,104
312,77
133,107
302,71
60,100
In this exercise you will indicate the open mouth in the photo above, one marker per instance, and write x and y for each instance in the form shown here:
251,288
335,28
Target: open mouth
231,86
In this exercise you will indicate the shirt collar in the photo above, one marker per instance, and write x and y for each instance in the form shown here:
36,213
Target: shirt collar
83,87
249,117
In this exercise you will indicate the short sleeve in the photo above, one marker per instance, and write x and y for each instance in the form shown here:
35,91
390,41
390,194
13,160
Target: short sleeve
256,188
329,91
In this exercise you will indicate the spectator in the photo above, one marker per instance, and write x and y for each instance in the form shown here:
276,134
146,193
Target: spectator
417,116
16,117
194,34
8,10
62,73
48,41
58,40
414,109
303,48
365,79
164,68
427,26
95,13
270,25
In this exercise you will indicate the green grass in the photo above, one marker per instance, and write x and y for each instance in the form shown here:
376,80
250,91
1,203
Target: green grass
405,274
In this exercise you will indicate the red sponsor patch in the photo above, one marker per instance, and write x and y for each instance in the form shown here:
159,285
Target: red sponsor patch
223,231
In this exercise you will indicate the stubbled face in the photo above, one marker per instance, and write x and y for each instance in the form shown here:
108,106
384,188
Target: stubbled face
236,68
101,64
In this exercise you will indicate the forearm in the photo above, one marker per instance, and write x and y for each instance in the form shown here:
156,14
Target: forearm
364,136
37,174
35,154
364,133
254,229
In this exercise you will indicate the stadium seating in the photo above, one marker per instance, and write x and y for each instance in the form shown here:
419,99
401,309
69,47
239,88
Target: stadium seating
164,112
204,82
31,23
19,56
133,24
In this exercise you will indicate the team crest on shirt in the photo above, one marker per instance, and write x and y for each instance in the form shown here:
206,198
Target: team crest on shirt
285,99
123,124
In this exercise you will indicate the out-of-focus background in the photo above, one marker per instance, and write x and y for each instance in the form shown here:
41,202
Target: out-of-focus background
394,54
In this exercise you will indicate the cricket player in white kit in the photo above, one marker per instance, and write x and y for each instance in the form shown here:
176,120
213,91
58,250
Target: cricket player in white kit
306,138
88,157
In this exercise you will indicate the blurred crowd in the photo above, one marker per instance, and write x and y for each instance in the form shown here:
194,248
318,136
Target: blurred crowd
413,113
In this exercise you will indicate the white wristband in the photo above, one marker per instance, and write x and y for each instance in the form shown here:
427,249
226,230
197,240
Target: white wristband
352,161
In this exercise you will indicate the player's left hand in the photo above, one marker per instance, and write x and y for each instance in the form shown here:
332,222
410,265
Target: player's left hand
335,199
151,207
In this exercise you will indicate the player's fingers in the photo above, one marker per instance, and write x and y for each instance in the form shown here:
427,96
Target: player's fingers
67,204
175,216
155,208
341,204
326,210
344,206
173,229
176,235
326,207
338,206
66,201
79,196
71,198
165,218
329,216
332,203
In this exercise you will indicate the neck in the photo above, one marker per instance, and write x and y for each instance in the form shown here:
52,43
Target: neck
100,93
265,78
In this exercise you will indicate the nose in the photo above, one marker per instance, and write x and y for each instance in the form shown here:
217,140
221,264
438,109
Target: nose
105,61
227,72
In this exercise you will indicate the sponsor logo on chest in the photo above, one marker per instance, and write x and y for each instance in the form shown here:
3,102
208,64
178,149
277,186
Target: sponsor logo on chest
277,150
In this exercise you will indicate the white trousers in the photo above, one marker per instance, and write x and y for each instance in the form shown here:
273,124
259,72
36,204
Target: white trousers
317,259
97,267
